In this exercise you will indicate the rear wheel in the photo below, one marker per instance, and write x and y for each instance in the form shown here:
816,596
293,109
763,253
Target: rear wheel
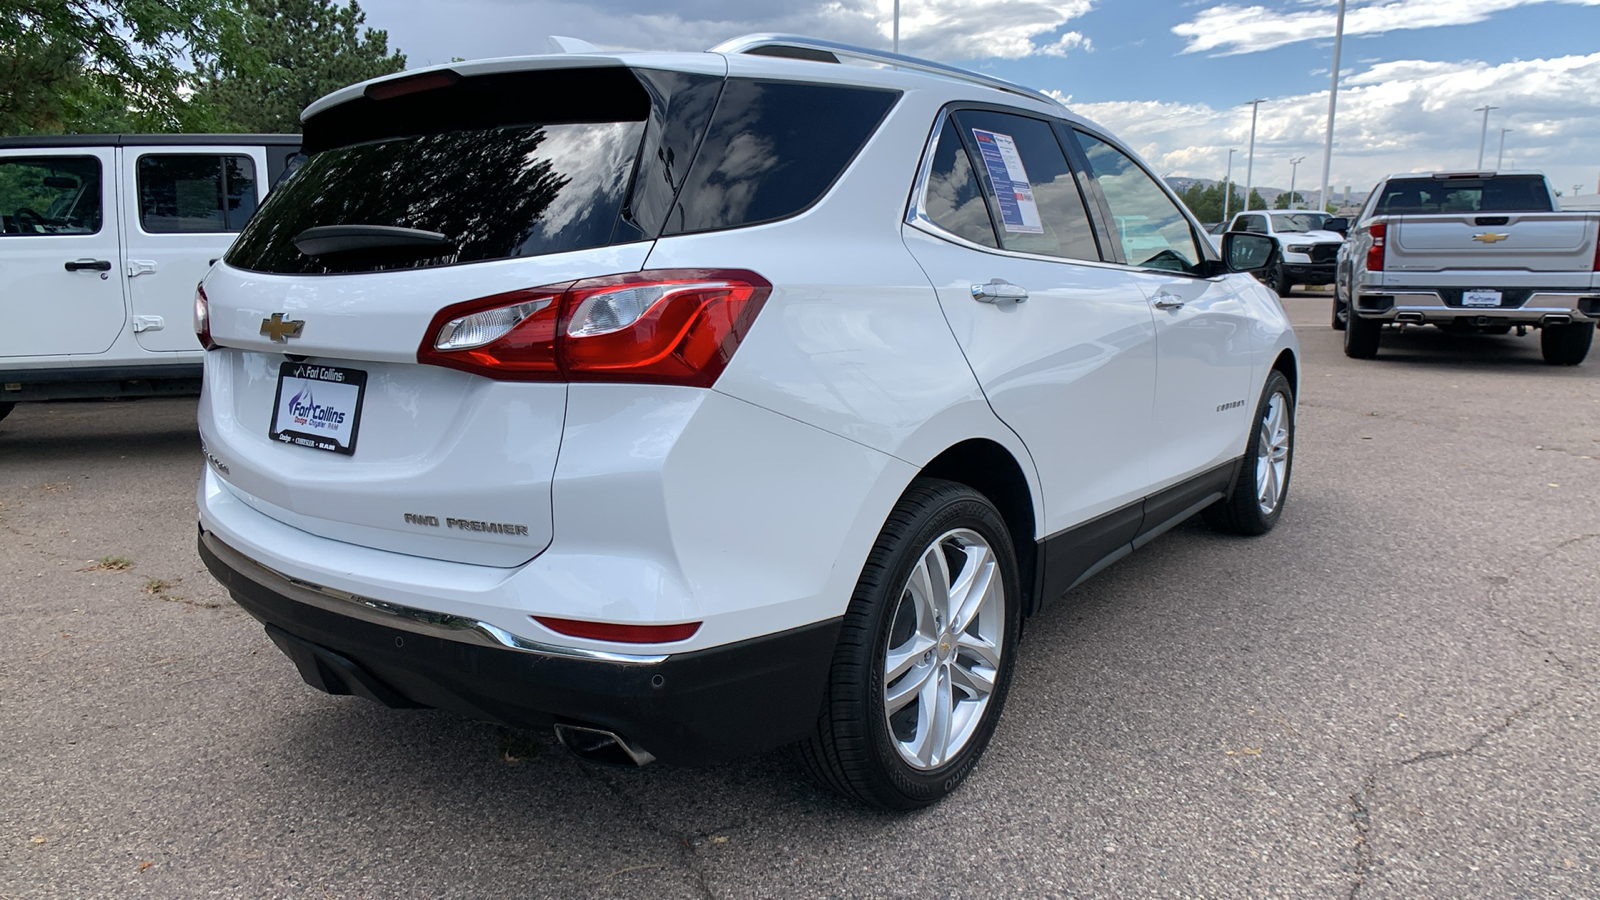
925,653
1566,345
1361,336
1263,483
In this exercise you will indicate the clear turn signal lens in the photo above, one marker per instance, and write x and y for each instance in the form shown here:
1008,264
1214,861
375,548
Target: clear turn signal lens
483,327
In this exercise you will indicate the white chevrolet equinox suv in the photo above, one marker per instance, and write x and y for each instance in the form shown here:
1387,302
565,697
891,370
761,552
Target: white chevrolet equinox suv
696,404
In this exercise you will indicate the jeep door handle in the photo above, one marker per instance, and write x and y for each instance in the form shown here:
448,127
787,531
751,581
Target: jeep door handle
94,265
1165,300
998,289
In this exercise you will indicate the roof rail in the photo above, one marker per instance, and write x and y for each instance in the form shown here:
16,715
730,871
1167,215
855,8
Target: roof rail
821,50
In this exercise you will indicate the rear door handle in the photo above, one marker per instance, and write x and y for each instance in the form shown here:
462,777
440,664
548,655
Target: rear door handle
1165,300
93,265
998,289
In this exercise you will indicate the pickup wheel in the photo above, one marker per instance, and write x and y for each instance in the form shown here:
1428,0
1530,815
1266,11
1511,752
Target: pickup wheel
1566,345
925,653
1278,280
1361,336
1263,483
1341,311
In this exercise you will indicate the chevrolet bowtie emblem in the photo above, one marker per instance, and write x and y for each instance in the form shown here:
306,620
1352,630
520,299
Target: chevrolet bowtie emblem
279,330
1489,237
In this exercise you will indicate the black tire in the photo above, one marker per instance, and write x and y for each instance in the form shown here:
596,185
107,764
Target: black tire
6,408
1566,345
1361,337
1341,311
853,749
1241,512
1278,280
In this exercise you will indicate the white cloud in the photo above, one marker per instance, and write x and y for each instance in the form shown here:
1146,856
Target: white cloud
1407,115
1230,29
937,29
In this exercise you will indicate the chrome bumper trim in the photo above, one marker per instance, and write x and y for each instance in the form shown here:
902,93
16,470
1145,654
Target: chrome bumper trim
408,618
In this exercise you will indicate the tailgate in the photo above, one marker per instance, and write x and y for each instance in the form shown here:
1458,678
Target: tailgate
1530,242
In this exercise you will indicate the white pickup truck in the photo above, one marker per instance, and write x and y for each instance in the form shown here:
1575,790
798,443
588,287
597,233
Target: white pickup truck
102,241
1306,248
1471,253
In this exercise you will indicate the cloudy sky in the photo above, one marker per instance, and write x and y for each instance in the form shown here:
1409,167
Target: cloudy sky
1171,77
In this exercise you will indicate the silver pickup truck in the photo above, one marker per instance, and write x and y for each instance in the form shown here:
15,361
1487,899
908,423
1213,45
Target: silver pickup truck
1471,253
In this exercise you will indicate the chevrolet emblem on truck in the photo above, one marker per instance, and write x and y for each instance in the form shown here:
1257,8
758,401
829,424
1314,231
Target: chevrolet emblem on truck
280,330
1489,237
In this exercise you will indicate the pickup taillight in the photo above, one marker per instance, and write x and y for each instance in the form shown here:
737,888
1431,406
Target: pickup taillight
1377,231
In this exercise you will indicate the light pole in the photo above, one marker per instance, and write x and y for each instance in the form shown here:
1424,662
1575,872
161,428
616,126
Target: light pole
1250,159
1294,168
897,25
1227,188
1333,99
1483,139
1500,158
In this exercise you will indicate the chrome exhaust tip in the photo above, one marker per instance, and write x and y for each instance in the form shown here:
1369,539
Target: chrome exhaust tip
1556,319
1409,318
601,746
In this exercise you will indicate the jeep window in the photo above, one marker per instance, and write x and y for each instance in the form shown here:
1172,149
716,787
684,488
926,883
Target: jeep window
1496,193
186,193
50,195
1045,214
506,165
773,149
952,199
1154,232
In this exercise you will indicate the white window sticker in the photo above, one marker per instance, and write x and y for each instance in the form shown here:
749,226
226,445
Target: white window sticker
318,406
1018,212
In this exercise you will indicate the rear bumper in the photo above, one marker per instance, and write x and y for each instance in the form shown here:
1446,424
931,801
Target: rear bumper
691,708
1518,306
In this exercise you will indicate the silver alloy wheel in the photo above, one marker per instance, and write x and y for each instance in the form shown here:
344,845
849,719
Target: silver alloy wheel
944,649
1272,453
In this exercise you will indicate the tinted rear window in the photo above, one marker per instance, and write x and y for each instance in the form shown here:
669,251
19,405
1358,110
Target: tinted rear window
773,149
1513,193
546,169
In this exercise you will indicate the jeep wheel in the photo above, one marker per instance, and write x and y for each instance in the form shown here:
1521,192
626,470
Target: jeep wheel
925,653
1566,345
1361,336
1263,482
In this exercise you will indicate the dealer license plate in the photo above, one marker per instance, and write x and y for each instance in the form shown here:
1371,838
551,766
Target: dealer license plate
318,406
1480,298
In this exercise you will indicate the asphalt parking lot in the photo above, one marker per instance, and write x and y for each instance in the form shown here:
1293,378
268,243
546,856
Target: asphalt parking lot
1392,695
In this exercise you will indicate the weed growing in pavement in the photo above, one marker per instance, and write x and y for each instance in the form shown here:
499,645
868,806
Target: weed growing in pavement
109,564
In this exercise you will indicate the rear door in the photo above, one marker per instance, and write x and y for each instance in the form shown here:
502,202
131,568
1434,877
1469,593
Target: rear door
1062,344
183,210
60,290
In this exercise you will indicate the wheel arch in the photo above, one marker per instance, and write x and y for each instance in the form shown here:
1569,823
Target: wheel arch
992,470
1290,367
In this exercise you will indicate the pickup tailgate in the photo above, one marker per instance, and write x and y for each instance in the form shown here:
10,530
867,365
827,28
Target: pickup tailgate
1524,242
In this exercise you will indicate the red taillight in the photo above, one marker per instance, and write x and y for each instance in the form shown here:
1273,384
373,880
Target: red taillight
1597,253
1375,252
202,318
622,634
677,326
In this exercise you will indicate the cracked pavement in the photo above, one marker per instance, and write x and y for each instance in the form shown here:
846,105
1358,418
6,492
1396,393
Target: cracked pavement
1392,695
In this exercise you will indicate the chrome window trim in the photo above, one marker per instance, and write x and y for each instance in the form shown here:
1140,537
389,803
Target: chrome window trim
408,618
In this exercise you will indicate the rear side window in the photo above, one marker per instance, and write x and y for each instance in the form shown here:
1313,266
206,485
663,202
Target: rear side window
195,193
953,199
1036,204
505,166
1505,193
50,195
773,149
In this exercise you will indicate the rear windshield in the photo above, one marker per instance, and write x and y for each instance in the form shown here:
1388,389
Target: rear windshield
1504,193
504,166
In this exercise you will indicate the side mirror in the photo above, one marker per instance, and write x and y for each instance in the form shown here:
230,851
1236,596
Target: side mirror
1339,224
1246,252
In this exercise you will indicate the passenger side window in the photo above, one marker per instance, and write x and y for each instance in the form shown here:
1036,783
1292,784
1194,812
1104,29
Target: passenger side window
1251,224
1035,200
50,195
953,200
1154,233
195,194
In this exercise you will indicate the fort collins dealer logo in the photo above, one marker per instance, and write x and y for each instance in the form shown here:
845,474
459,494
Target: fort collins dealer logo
305,410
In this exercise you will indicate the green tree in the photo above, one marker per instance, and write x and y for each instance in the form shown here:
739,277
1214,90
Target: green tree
1205,201
1286,198
1256,200
277,56
83,65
